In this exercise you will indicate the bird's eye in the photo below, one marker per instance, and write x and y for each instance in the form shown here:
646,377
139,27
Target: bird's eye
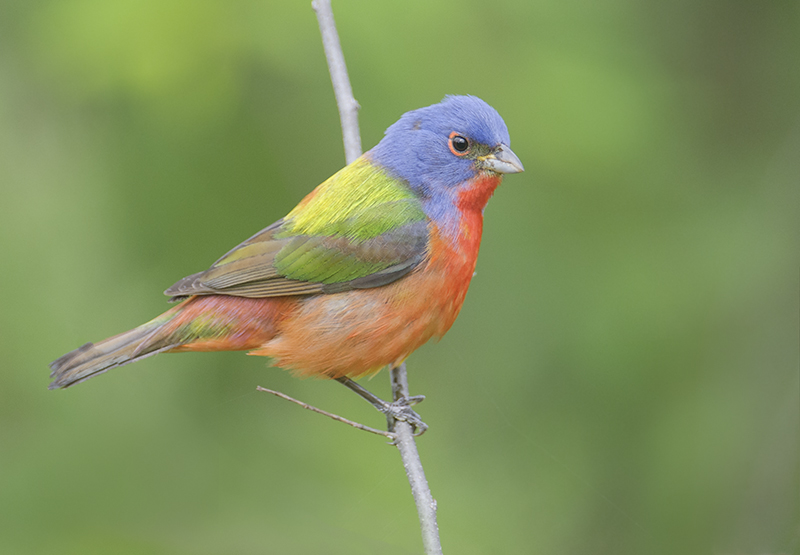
459,145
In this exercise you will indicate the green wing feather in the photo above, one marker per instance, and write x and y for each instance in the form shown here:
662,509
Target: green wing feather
359,229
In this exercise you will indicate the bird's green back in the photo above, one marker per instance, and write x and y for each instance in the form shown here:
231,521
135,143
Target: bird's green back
360,228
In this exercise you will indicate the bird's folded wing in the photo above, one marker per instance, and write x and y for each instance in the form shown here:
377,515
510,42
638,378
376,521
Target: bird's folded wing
368,247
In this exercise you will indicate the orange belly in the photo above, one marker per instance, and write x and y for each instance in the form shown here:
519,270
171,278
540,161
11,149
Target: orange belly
359,332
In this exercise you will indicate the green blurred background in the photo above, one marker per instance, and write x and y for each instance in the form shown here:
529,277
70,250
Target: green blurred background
623,378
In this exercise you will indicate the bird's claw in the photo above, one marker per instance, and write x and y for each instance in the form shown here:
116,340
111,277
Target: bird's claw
401,410
413,400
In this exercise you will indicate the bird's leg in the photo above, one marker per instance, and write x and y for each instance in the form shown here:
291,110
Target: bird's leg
398,410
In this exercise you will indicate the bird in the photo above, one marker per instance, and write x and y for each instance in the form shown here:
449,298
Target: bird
369,266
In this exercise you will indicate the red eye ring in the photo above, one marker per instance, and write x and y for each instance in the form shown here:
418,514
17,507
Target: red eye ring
458,143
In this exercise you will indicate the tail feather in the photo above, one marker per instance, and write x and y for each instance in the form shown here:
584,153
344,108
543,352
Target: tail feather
92,359
209,323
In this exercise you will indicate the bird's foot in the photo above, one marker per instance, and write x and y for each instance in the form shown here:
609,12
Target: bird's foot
398,410
401,411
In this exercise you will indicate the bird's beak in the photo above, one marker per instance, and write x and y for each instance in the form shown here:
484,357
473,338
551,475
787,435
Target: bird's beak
502,160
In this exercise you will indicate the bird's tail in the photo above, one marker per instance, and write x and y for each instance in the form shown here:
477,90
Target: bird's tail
205,323
95,358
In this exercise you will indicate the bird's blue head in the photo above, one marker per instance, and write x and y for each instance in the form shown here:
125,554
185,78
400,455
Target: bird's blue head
446,144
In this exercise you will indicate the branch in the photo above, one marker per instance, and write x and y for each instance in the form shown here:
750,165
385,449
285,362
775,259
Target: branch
426,504
348,106
348,113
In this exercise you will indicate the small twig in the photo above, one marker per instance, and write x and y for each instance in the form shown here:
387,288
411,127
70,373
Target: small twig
426,504
348,106
328,414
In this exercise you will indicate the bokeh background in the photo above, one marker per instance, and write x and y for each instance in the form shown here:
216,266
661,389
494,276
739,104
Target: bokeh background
623,378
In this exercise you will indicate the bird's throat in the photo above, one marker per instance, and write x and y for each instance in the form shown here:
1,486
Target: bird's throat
476,193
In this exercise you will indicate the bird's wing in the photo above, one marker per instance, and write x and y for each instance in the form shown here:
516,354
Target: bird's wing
360,229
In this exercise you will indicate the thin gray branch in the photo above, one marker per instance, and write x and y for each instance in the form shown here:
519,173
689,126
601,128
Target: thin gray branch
348,113
426,504
328,414
348,106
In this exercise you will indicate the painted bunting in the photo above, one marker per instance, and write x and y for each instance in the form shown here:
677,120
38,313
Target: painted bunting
368,267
